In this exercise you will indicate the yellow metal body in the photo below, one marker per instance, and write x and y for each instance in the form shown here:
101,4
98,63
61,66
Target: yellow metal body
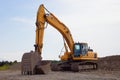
88,56
42,17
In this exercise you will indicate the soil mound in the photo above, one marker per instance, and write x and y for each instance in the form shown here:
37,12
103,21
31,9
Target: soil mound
109,63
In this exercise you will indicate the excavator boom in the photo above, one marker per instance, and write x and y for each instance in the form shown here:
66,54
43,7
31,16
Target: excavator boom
54,22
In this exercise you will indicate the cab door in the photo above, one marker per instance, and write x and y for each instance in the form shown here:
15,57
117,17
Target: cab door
77,49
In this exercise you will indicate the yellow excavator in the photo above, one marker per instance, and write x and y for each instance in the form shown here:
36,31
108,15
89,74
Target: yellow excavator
77,56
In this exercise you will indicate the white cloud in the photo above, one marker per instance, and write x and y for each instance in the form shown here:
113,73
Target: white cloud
22,20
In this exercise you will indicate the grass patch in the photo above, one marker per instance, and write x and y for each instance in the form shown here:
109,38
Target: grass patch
4,67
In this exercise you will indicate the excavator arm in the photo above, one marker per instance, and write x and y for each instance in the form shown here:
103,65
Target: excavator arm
40,22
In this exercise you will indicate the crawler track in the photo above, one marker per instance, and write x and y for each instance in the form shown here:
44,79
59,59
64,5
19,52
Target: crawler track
74,66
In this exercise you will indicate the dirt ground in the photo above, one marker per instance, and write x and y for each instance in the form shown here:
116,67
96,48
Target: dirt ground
91,75
109,69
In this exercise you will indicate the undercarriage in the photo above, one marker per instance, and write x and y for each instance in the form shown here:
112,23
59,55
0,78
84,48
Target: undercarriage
74,66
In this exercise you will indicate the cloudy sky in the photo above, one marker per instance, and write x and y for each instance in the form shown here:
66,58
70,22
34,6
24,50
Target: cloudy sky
96,22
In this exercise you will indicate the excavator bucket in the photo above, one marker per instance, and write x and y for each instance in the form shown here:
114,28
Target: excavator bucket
32,63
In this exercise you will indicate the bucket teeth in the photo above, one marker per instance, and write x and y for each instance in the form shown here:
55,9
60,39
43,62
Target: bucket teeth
32,64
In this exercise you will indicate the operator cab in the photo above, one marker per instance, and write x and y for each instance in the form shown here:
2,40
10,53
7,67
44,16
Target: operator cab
80,49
